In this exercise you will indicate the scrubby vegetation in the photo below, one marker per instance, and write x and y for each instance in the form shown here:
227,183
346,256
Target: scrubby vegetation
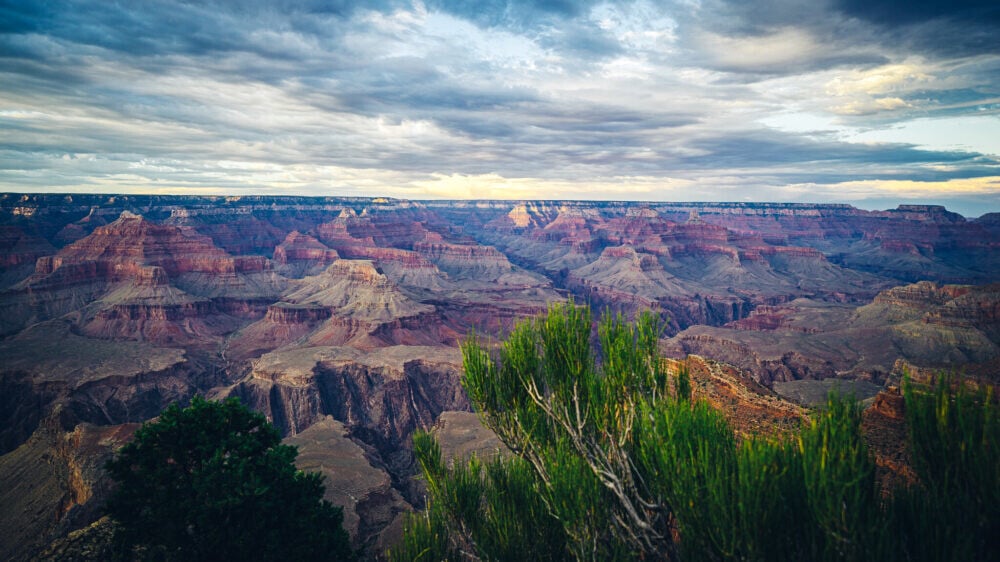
613,460
213,482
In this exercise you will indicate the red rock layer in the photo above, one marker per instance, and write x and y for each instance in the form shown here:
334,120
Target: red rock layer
439,250
421,329
761,253
405,258
287,315
766,318
640,261
302,247
130,246
194,324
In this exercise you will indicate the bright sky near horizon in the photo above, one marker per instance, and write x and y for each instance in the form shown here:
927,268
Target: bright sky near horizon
868,102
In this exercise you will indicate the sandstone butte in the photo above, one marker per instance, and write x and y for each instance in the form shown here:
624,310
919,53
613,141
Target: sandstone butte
340,319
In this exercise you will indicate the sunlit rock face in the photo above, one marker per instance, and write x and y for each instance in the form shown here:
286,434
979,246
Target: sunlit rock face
340,319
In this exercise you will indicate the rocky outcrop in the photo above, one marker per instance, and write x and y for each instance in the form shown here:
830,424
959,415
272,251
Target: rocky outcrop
463,317
398,225
195,323
284,314
22,406
343,381
462,435
978,307
371,505
767,367
697,234
355,289
889,404
347,230
693,271
461,255
54,483
990,222
766,318
134,279
762,253
956,306
624,279
283,324
521,217
571,226
131,241
920,295
92,381
884,430
384,256
350,303
931,326
640,261
474,267
750,408
381,396
236,230
301,254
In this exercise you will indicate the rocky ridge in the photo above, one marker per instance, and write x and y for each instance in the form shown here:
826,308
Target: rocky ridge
935,326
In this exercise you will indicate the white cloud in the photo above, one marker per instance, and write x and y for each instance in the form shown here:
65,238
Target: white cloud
881,80
787,47
870,106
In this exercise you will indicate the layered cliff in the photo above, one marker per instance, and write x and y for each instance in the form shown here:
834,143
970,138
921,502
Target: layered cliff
694,272
930,325
368,403
300,254
134,279
350,303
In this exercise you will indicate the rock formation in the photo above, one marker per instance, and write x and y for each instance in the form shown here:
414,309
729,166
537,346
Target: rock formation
931,325
300,254
339,318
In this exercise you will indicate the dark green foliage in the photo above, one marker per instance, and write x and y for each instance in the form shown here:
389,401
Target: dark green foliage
426,538
573,420
812,498
954,510
609,465
491,507
213,482
683,385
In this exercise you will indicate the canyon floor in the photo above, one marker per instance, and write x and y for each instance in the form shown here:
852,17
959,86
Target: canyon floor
340,320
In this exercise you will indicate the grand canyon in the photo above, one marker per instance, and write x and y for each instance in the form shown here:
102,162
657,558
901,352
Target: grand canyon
340,320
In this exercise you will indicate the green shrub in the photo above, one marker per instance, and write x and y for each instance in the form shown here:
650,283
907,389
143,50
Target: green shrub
953,512
608,464
213,482
490,507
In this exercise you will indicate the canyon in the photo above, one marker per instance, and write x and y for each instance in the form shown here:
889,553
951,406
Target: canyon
340,319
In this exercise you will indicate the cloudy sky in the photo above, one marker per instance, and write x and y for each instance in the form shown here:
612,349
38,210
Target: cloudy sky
862,101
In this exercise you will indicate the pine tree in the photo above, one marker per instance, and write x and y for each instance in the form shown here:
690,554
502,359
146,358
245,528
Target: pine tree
213,482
